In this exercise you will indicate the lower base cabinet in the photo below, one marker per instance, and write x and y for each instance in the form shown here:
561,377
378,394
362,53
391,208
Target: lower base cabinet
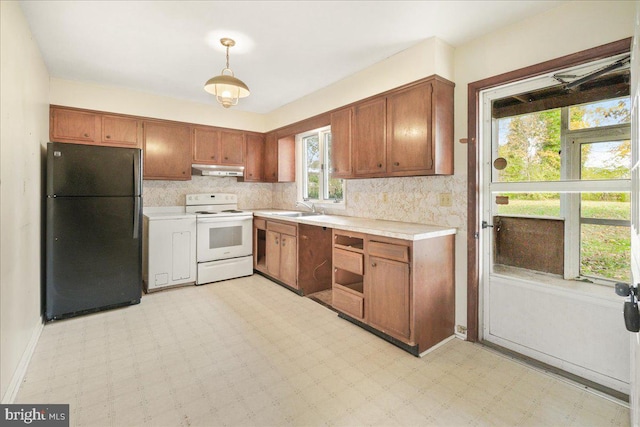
388,297
400,288
295,255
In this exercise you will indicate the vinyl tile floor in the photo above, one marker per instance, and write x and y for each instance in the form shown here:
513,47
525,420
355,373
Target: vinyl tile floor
248,352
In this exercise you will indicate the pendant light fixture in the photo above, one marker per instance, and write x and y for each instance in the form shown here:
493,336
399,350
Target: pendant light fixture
227,88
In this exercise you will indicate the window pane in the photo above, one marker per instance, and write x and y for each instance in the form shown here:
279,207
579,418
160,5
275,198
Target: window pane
530,144
597,114
528,233
606,206
312,166
605,251
529,204
605,160
335,189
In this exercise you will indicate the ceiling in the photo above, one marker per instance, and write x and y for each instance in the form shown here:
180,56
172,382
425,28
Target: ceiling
284,49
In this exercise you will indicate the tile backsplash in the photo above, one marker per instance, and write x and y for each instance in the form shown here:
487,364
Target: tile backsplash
172,193
409,199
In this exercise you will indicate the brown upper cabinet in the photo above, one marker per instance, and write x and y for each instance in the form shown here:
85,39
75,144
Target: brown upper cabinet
279,159
86,127
341,137
218,147
123,131
370,138
420,129
404,132
167,153
254,153
206,146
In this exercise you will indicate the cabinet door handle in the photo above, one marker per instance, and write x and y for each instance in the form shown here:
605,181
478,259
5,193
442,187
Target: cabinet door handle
379,165
213,157
108,136
396,164
86,135
373,264
284,241
277,243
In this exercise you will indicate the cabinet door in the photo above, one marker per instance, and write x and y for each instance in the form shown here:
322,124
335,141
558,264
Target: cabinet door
73,126
120,131
288,260
409,141
340,150
253,158
206,146
167,151
232,148
273,253
181,255
286,159
270,167
369,138
388,297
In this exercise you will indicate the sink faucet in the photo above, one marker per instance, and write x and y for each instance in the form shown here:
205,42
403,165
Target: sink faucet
307,204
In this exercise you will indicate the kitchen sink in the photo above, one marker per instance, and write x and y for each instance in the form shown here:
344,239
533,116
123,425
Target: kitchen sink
297,214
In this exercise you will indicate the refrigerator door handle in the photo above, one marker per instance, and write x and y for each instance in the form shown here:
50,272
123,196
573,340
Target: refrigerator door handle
136,218
136,174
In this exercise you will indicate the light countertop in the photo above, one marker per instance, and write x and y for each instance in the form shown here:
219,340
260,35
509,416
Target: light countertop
378,227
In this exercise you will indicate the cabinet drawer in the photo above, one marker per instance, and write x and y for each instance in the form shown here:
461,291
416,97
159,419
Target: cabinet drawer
350,304
260,223
388,251
278,227
346,260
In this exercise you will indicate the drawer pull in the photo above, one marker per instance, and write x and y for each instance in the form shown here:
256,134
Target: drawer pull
373,264
379,165
396,164
86,135
108,136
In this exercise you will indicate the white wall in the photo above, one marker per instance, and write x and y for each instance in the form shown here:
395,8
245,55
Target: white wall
136,103
24,124
432,56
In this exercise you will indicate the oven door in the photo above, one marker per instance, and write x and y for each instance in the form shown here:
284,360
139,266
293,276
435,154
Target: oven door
223,238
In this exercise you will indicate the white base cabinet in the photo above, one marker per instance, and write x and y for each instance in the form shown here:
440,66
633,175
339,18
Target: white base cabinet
169,252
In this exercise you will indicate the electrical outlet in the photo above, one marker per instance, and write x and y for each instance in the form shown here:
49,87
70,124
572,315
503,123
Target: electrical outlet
384,197
445,199
461,329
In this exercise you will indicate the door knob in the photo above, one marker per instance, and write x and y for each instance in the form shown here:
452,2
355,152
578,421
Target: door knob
630,311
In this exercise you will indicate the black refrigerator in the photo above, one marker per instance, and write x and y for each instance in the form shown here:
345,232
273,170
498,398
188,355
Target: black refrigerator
93,229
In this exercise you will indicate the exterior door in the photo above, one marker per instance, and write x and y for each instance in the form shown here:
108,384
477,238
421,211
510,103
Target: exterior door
634,398
547,283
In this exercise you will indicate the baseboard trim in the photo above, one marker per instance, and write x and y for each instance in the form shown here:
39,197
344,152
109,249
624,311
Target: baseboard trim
21,370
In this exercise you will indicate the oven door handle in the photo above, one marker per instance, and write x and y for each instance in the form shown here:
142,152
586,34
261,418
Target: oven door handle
223,219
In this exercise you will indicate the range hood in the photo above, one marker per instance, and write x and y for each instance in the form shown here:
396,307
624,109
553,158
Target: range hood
217,170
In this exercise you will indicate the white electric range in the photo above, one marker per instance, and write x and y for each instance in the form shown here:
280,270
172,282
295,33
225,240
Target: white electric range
224,248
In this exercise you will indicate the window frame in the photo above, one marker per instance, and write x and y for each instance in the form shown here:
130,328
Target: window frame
570,186
301,176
